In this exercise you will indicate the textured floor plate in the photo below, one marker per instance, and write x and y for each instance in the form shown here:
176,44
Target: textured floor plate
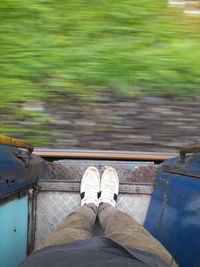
53,207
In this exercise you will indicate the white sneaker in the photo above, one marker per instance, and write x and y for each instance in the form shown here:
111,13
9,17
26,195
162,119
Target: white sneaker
90,184
109,187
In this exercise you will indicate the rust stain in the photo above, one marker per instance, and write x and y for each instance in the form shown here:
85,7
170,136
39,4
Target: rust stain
9,141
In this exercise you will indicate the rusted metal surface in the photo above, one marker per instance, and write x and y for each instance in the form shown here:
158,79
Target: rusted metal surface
128,171
103,154
9,141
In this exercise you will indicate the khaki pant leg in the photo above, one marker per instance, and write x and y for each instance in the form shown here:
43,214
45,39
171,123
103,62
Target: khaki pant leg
77,226
123,229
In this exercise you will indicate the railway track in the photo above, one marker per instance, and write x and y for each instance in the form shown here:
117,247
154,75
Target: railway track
52,154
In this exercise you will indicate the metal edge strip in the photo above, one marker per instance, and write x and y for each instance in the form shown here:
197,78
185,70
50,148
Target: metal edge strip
145,189
103,154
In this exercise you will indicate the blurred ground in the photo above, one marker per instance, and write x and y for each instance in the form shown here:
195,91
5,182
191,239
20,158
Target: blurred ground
139,124
82,74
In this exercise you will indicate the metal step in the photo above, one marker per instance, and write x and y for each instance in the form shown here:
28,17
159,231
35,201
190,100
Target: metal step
58,193
53,207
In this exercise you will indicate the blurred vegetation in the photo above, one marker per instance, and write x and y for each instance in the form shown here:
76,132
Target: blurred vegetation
54,50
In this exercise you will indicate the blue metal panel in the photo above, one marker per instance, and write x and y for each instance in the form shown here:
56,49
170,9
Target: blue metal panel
13,184
174,217
190,166
15,173
13,232
8,159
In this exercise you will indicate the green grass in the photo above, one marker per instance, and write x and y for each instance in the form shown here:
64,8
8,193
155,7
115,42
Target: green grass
48,47
57,50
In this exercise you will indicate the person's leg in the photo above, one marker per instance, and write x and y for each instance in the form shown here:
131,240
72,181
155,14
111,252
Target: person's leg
121,227
78,225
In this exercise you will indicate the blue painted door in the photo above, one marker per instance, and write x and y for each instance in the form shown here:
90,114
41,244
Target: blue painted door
174,217
13,232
